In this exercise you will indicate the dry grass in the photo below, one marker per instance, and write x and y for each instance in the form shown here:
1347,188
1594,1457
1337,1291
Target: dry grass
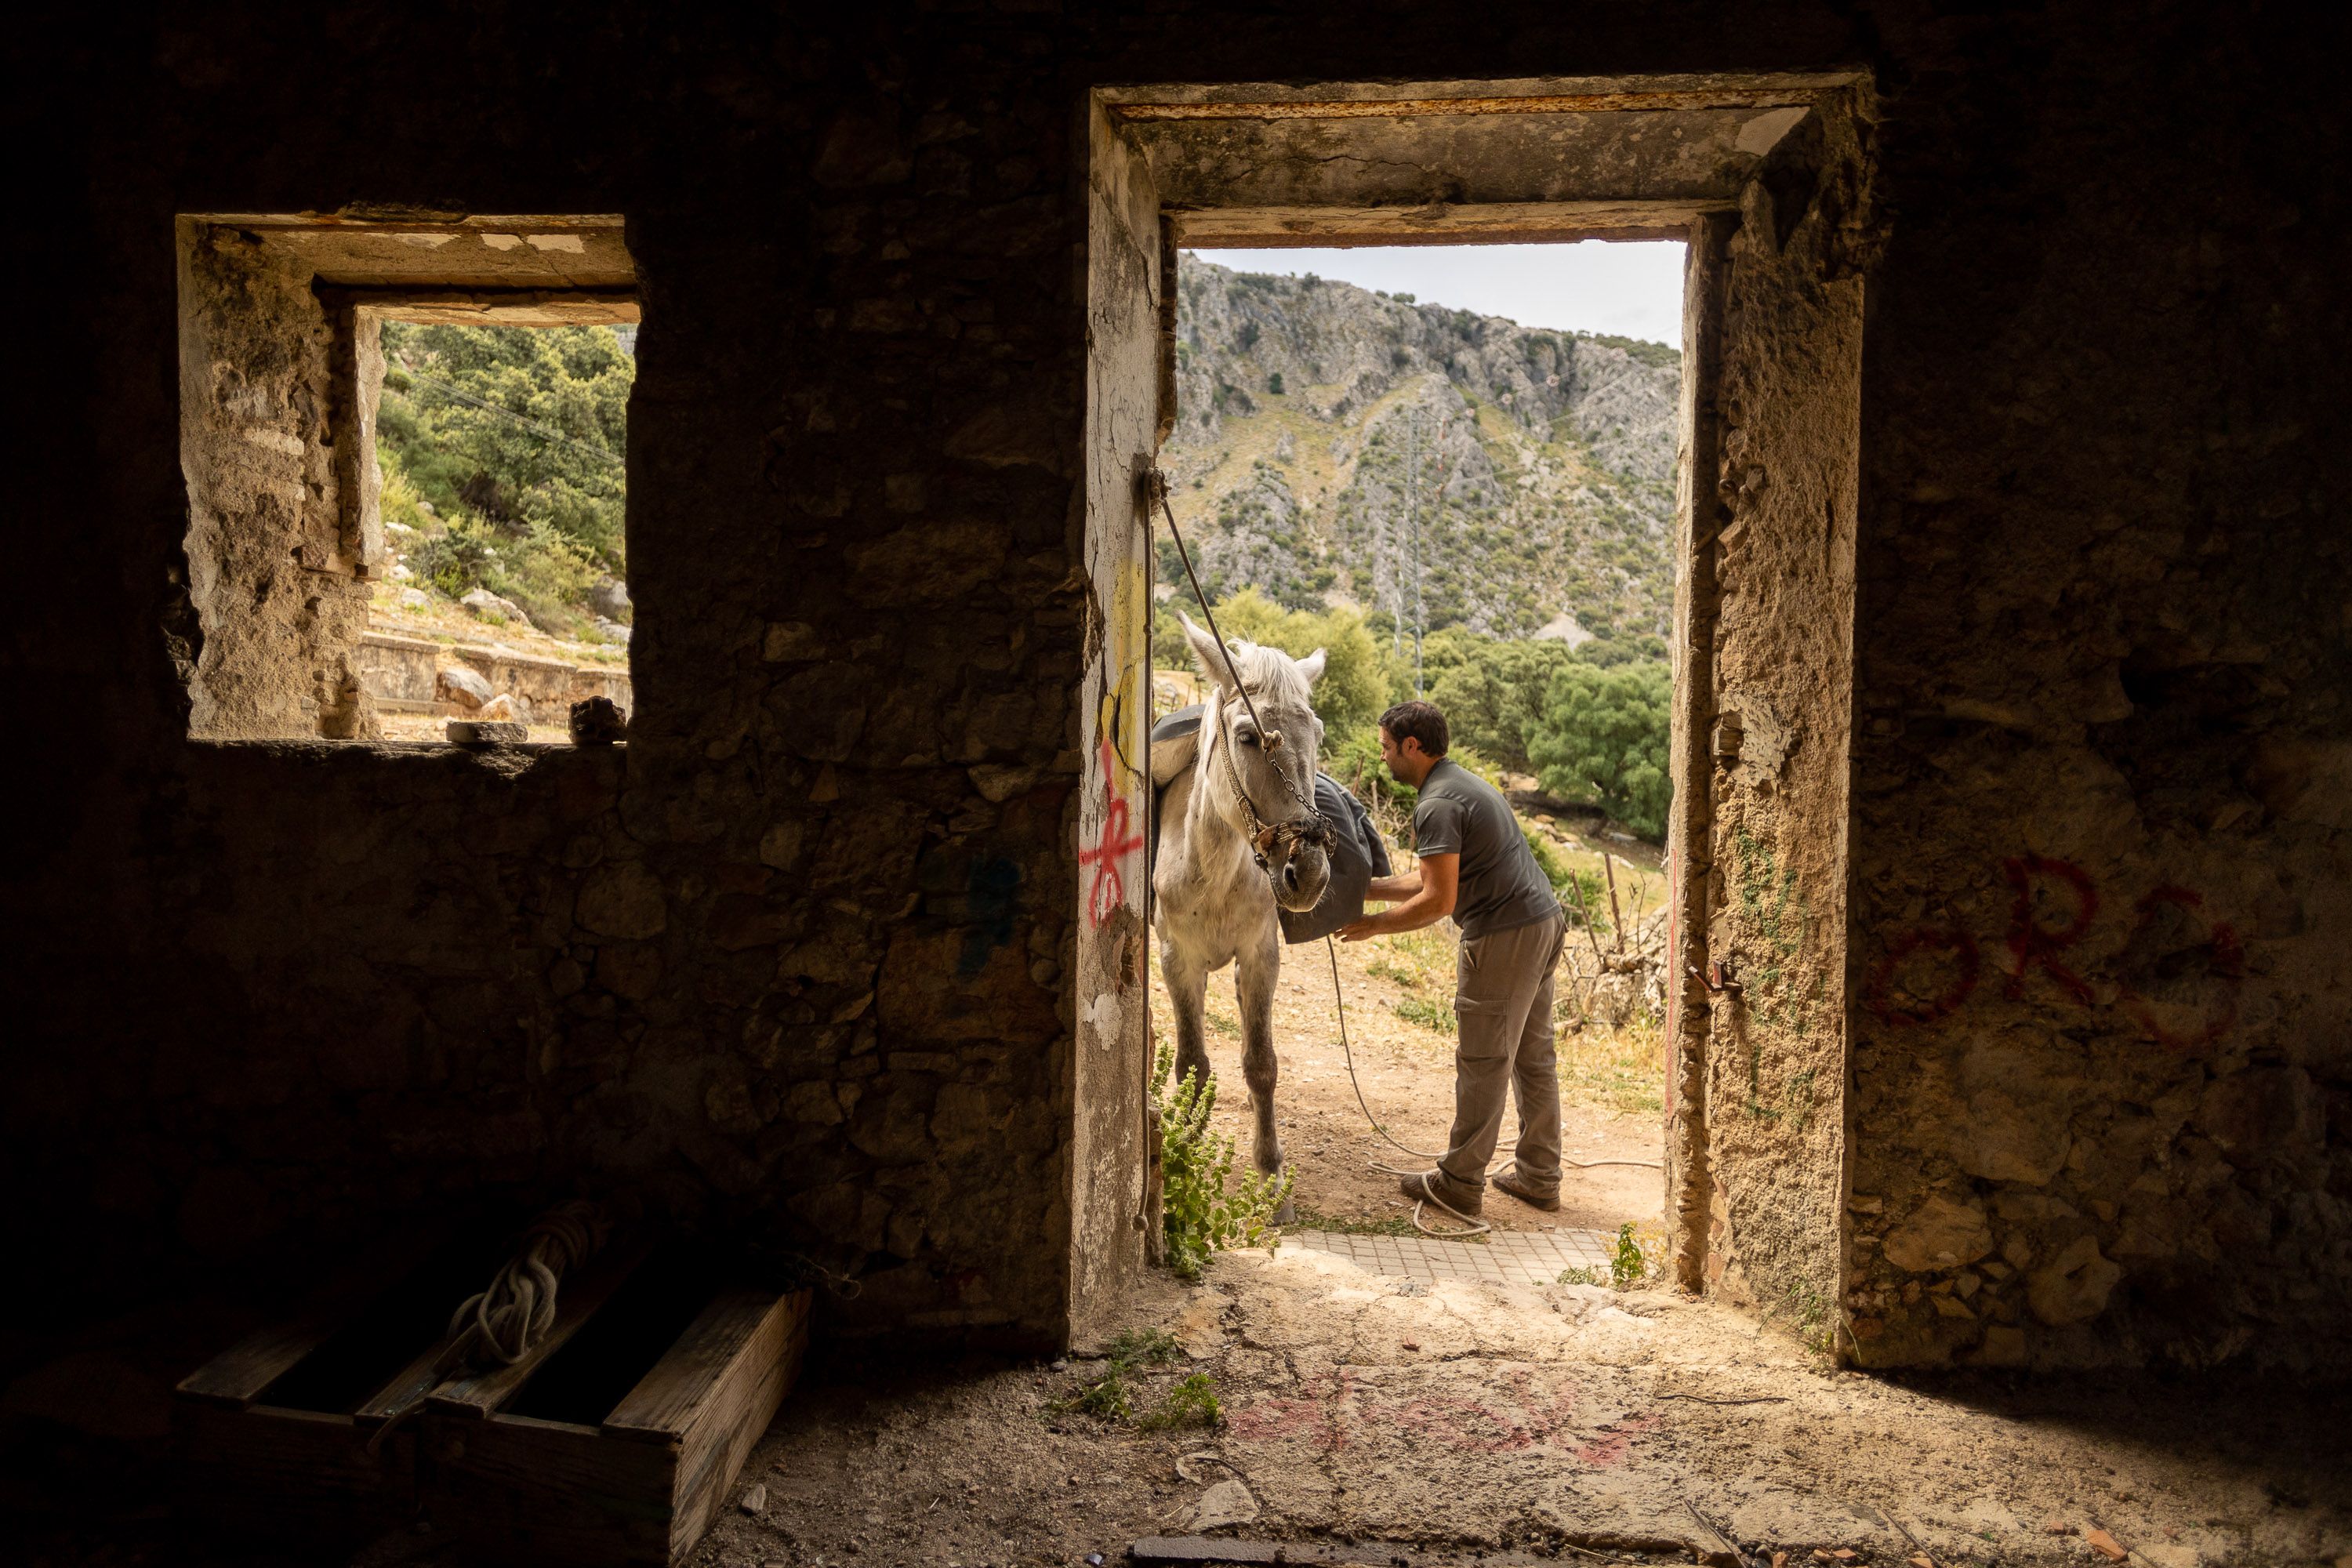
1623,1070
1620,1070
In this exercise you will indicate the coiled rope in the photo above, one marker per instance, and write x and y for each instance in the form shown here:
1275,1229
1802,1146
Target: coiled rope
506,1322
514,1314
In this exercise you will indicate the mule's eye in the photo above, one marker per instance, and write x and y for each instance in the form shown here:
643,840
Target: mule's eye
1247,737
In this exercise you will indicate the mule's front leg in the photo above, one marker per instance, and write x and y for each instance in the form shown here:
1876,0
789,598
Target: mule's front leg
1188,988
1253,982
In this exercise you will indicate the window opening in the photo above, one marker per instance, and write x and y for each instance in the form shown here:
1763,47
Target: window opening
404,443
503,495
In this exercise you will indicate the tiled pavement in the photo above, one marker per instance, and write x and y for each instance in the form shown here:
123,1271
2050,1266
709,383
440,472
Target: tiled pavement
1505,1256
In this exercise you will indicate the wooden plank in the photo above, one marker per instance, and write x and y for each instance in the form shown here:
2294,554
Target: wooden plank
407,1388
667,1399
294,1470
549,1491
476,1395
733,1415
1437,223
1650,100
237,1376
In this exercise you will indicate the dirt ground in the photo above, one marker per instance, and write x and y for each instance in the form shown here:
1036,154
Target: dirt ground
1406,1070
1566,1422
1418,1423
1463,1420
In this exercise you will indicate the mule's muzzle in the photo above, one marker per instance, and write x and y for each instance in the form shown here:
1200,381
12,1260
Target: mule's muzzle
1298,857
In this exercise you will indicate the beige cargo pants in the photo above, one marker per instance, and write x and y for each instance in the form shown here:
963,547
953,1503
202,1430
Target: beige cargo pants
1504,1005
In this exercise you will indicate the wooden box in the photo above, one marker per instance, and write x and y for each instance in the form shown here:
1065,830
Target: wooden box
616,1440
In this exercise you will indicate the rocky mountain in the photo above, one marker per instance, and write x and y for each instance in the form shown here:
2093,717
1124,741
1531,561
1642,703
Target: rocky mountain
1336,446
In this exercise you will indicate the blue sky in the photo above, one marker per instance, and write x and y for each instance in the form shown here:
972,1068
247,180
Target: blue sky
1631,288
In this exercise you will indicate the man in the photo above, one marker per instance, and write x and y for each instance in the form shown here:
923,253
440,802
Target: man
1476,865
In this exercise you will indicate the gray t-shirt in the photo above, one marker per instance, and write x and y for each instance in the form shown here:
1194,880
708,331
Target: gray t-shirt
1502,886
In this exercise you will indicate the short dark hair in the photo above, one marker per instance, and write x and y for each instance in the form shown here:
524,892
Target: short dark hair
1418,721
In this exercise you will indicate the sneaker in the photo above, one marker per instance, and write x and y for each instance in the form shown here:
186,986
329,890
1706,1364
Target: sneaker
1436,1186
1533,1196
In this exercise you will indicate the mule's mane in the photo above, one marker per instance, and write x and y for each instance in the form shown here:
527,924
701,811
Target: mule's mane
1271,675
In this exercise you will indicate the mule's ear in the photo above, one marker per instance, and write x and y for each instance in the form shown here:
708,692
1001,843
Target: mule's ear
1206,652
1312,667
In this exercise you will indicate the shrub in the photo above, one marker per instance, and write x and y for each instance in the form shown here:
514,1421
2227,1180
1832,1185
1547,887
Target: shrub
1199,1215
459,558
1626,1264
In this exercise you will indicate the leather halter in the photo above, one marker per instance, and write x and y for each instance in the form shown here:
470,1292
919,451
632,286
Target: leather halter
1312,827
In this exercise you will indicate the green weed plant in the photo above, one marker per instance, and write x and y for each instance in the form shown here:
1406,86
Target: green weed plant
1202,1210
1107,1396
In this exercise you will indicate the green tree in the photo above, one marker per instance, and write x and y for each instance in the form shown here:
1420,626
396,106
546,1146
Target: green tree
1602,738
514,435
1355,684
1495,697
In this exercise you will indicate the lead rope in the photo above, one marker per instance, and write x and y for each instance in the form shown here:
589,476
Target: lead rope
1476,1227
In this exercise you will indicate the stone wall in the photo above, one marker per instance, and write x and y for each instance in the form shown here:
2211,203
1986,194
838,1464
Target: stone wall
404,674
278,596
799,961
2104,1070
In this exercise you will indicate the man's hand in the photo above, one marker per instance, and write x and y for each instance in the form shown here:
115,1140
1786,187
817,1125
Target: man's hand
1429,900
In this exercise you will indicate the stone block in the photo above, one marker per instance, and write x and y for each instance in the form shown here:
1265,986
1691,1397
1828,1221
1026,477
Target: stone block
2262,1113
2002,1346
2006,1139
622,901
2074,1287
1939,1233
488,733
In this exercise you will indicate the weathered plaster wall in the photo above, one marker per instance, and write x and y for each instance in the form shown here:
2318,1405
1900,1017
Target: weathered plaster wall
1778,532
278,601
1109,1154
799,961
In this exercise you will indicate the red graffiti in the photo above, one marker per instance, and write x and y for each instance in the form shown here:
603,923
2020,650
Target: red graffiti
2225,960
1607,1450
1107,891
2035,945
1878,990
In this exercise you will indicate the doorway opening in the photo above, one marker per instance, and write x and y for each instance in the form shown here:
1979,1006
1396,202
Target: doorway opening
1452,469
1767,182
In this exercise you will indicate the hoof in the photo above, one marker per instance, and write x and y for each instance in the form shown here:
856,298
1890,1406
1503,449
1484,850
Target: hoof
1287,1213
